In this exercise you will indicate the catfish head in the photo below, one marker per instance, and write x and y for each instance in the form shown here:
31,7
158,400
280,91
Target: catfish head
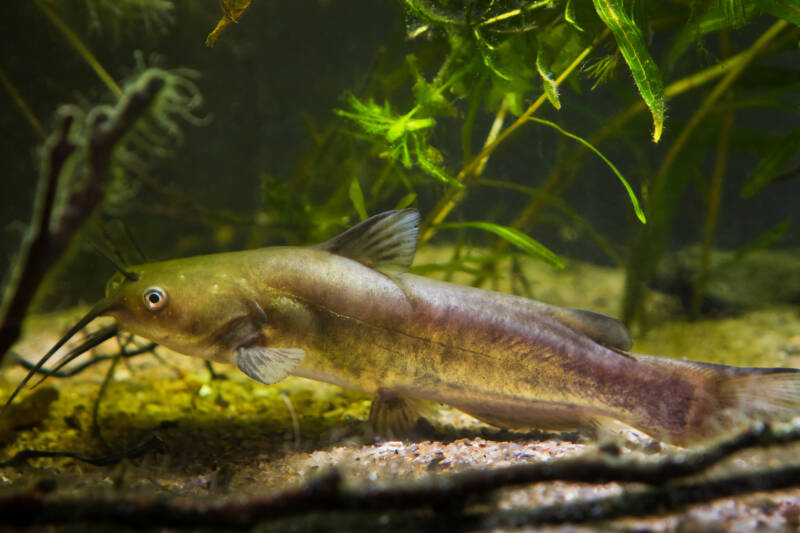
211,306
200,306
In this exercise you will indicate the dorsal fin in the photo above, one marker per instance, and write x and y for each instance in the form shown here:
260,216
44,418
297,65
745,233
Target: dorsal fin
600,328
385,242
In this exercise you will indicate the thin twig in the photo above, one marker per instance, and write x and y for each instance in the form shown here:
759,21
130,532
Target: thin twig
23,106
51,230
21,457
425,504
74,371
96,408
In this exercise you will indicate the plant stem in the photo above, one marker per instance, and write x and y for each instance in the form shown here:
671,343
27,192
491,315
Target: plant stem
494,131
557,176
714,195
645,250
454,193
16,97
736,70
79,47
677,88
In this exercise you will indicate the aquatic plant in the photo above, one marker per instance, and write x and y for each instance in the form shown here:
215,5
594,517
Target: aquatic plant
438,122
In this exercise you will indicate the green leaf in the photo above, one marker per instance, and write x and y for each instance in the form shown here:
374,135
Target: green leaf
636,207
562,43
570,16
548,81
357,197
602,70
429,97
631,43
513,236
773,162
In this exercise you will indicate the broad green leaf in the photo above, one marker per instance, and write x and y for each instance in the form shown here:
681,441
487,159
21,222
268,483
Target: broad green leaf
562,43
548,81
513,236
632,44
772,163
487,51
636,207
357,197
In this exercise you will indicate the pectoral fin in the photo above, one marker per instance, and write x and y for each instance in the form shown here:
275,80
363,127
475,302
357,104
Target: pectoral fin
268,365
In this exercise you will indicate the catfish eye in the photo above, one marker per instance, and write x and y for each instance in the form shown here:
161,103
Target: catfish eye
155,299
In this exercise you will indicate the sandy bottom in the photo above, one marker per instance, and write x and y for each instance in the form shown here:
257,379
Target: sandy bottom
233,437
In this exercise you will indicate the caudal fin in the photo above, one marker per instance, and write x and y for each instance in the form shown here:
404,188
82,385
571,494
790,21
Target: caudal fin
761,394
727,397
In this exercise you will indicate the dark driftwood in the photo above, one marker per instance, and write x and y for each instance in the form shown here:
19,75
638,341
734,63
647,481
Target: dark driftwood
443,501
152,444
53,227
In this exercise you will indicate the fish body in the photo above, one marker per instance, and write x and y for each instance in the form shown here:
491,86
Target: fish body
347,313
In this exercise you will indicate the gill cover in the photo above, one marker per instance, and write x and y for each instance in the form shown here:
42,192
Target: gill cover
385,242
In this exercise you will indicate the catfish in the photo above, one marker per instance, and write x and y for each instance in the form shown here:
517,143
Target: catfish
347,312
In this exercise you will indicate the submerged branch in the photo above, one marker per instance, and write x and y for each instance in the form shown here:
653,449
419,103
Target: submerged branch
23,456
54,223
425,504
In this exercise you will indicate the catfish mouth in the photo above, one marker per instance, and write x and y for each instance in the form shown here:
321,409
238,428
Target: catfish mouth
103,306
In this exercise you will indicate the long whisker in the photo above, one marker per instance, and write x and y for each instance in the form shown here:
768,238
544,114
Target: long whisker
96,338
99,308
130,276
129,234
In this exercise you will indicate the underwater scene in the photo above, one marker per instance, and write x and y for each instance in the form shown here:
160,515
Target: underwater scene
400,265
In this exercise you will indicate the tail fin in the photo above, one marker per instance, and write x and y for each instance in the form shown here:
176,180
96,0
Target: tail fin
730,397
